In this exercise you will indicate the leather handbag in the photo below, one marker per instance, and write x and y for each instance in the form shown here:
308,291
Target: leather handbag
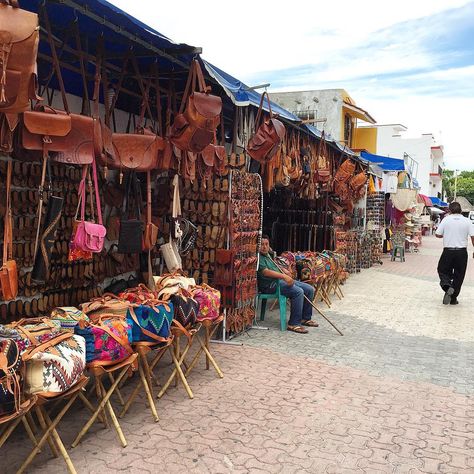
8,270
345,171
19,39
10,377
131,228
90,236
41,267
151,230
199,115
151,321
268,136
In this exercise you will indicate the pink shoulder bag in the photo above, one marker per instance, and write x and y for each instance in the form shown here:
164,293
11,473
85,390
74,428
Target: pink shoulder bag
89,236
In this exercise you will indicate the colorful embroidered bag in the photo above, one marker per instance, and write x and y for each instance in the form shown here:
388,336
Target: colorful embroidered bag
186,308
68,317
107,340
150,323
55,365
209,300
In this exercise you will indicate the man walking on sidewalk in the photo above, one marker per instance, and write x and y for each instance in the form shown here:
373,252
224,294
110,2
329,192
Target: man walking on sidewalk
454,229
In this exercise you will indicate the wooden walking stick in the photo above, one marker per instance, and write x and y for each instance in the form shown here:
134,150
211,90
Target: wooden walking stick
312,304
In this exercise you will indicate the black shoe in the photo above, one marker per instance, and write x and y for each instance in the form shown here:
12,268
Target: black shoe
454,300
447,295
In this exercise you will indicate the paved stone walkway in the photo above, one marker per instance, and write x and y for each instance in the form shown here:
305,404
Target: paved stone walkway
393,395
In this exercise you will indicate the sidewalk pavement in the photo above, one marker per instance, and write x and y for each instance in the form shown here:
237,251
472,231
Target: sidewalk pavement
393,395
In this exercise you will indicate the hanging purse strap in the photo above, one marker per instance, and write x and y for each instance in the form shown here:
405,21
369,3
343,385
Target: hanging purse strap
7,223
260,109
176,207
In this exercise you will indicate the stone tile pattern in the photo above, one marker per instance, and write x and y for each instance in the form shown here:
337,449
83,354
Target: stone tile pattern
394,395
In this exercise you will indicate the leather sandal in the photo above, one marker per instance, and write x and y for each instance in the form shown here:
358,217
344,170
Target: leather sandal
210,188
297,329
215,217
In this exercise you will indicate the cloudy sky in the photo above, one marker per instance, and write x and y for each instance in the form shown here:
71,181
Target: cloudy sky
408,62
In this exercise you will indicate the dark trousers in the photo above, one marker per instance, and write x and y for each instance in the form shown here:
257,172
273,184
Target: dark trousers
452,269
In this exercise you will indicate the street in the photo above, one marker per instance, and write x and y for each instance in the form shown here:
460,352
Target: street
394,394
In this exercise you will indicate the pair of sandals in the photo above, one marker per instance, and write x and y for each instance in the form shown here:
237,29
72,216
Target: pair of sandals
300,329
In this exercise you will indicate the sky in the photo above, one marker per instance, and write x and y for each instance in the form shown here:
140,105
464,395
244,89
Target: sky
408,62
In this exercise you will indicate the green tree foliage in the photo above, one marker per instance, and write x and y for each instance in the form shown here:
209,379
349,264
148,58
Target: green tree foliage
465,184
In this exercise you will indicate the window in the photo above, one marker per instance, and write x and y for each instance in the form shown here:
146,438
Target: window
348,130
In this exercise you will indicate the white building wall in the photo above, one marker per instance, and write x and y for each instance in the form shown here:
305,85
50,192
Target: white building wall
391,143
326,105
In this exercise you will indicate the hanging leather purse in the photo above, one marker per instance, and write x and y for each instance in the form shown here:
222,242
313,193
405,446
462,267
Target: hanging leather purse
40,272
8,270
131,228
199,114
323,172
19,39
90,236
345,171
268,134
151,230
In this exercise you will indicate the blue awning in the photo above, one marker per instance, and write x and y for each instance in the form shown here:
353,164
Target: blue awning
385,162
437,202
240,94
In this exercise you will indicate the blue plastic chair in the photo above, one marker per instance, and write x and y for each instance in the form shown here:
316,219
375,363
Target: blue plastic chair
263,297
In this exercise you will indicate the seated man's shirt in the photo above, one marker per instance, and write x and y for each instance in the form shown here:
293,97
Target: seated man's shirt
266,284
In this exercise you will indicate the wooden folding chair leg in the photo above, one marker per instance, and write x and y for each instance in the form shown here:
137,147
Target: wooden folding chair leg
29,431
149,395
117,390
179,371
209,357
51,431
44,427
113,417
102,403
91,408
9,430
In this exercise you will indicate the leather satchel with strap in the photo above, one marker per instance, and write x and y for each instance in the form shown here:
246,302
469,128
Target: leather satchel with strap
143,150
19,39
8,271
323,173
269,134
199,115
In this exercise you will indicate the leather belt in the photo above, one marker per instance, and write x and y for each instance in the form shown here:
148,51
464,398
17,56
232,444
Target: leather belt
455,248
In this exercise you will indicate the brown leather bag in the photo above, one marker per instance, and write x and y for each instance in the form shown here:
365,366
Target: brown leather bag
8,271
46,129
268,136
358,181
345,171
19,38
199,115
323,172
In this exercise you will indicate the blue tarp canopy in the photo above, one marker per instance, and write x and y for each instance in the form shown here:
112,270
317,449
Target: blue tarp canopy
241,95
385,162
100,20
437,202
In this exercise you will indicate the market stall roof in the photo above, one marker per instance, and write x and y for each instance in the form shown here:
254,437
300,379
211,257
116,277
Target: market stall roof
241,95
426,200
435,210
358,112
437,202
119,30
385,162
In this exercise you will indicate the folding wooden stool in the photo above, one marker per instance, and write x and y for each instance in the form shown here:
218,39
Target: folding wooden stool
99,369
210,327
178,356
49,425
8,423
147,377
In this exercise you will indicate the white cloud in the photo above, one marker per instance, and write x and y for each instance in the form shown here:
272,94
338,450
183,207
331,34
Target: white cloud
361,46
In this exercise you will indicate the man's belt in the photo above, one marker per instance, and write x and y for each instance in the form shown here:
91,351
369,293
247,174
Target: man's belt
455,248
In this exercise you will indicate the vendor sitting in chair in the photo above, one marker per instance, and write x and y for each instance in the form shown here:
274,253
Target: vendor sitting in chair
269,275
